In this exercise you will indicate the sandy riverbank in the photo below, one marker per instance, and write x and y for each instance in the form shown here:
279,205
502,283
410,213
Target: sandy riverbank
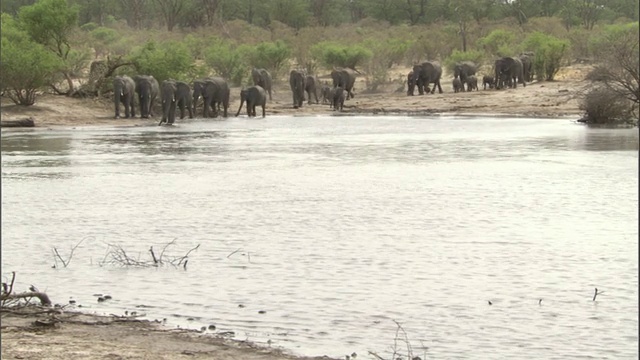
558,98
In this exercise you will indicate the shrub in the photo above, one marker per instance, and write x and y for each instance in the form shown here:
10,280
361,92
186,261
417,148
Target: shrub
459,56
331,54
604,106
272,56
498,42
168,60
385,54
25,65
226,61
549,54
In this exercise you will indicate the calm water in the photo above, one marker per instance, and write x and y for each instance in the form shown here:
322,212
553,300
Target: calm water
337,226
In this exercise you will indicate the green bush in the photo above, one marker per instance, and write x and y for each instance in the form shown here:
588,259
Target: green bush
331,54
227,61
168,60
498,43
385,54
549,54
25,65
459,56
272,56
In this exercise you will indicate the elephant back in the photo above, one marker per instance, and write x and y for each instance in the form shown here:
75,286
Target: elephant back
464,69
432,69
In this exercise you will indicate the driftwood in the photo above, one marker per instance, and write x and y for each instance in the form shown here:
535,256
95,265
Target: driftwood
26,122
44,299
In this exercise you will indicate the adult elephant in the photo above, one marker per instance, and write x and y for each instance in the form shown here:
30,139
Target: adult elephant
183,98
124,90
215,93
148,90
508,71
311,88
527,67
429,72
345,78
253,96
297,82
463,70
262,78
168,91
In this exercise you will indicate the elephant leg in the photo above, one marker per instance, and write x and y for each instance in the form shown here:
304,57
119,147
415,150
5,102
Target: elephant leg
439,87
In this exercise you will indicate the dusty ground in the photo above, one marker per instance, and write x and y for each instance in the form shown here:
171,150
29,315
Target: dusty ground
547,99
89,337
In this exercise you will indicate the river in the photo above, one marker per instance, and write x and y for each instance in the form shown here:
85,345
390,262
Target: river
321,234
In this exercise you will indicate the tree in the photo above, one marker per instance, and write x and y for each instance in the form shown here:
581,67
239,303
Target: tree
294,13
26,65
226,60
167,60
50,23
134,11
170,10
549,53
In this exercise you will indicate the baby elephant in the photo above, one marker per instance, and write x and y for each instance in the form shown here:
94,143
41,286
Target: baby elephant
457,85
472,83
337,98
487,81
326,94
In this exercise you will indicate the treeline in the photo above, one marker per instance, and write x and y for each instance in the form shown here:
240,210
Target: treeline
297,14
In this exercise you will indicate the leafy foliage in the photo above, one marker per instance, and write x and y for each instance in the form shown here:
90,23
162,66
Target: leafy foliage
227,61
460,56
50,23
272,56
168,60
549,54
498,43
331,54
26,66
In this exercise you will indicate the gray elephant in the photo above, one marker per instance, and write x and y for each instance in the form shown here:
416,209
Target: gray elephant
337,98
509,72
472,83
310,88
457,85
215,93
124,90
148,90
344,78
297,82
253,96
326,94
262,78
527,67
429,72
463,70
411,84
183,98
168,91
487,81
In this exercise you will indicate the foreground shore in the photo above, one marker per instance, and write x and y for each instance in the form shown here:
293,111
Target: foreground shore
556,99
40,334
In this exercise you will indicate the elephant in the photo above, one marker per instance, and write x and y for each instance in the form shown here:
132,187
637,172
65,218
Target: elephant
345,78
509,70
262,78
527,67
472,83
168,92
337,98
253,96
297,81
310,88
487,81
457,85
326,94
124,90
215,92
411,84
426,73
148,90
183,98
463,70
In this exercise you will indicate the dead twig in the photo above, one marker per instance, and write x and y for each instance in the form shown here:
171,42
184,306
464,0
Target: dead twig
65,263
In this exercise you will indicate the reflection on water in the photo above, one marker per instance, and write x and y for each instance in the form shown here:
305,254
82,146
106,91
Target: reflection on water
327,229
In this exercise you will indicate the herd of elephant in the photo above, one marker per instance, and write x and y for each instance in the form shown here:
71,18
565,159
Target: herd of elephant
508,72
215,92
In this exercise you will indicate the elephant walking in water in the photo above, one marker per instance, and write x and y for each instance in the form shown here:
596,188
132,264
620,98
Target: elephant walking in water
262,78
344,78
215,92
148,90
253,96
509,72
429,72
297,82
124,90
168,92
310,88
464,70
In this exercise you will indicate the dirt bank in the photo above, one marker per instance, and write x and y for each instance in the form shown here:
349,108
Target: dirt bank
71,335
558,98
